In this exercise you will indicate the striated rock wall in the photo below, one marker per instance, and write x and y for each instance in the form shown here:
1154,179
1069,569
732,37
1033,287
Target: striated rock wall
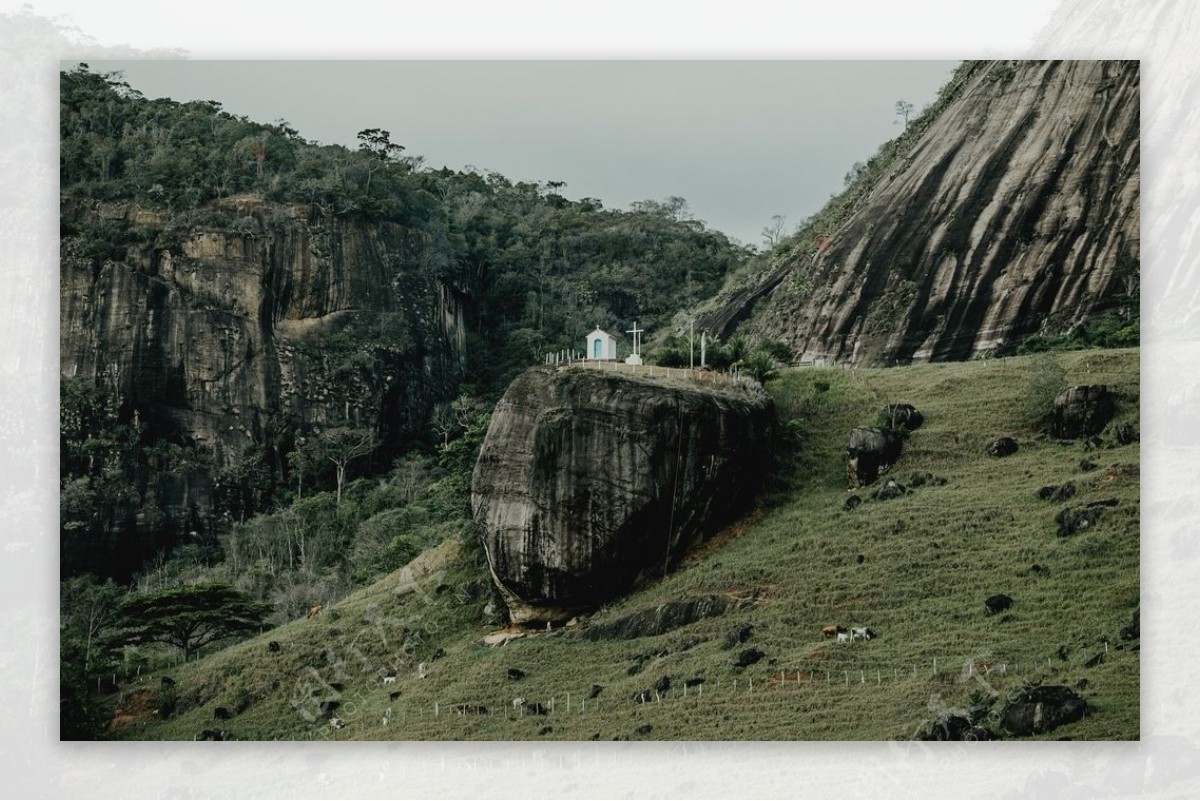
588,479
1014,213
227,337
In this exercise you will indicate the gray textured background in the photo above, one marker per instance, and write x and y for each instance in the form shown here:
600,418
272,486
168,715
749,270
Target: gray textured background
1165,763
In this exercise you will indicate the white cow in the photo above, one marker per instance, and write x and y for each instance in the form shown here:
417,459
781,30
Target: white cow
863,633
389,679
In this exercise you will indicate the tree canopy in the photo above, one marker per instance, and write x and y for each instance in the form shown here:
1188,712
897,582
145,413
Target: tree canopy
192,617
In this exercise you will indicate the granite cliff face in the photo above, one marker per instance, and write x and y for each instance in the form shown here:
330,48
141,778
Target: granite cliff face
588,479
244,335
1015,212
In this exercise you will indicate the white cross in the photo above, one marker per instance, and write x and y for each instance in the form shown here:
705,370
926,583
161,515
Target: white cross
636,343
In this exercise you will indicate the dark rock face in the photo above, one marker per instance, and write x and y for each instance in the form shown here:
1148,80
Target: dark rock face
1040,709
1056,493
890,490
1074,519
1127,434
1082,411
1004,446
997,603
659,620
215,340
955,727
738,635
982,233
870,452
903,415
749,657
1134,630
588,479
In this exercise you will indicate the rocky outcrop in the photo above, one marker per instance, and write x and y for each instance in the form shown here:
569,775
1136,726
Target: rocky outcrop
1037,710
870,452
588,479
264,322
1082,411
1013,212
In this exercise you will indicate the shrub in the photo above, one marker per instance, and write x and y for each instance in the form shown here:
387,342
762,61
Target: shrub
1047,380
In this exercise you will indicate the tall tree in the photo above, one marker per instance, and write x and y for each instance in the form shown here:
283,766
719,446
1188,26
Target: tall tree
190,618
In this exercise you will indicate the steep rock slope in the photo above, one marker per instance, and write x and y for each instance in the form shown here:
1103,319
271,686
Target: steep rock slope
253,332
588,479
1015,212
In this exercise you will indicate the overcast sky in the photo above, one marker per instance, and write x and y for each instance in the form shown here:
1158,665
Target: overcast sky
739,140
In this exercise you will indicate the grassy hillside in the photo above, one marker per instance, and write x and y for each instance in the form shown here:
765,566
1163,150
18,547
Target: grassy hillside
915,569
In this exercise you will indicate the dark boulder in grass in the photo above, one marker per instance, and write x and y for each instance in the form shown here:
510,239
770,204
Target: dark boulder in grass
1134,630
1075,519
1082,411
851,503
869,453
749,657
890,490
955,727
1037,710
997,603
1127,434
1002,446
902,415
1056,493
738,635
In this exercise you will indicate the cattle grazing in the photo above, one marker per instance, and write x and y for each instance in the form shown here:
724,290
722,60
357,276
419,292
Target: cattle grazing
516,674
863,633
337,723
469,709
997,603
422,670
829,632
221,713
536,708
313,611
389,679
851,503
328,706
167,681
902,415
215,735
273,647
517,703
843,636
392,696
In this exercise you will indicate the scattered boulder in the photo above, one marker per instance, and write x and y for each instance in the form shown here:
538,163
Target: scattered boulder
326,707
1127,434
869,453
890,490
545,730
273,647
1096,660
1082,411
221,713
1036,710
215,735
923,477
393,695
1134,630
1039,570
693,682
1002,446
860,559
660,619
902,415
1087,465
663,685
596,690
851,503
748,657
955,727
1074,519
167,681
645,728
738,635
997,603
438,654
516,674
1057,493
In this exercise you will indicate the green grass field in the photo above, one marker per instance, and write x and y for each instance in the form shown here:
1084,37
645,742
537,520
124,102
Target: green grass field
915,569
